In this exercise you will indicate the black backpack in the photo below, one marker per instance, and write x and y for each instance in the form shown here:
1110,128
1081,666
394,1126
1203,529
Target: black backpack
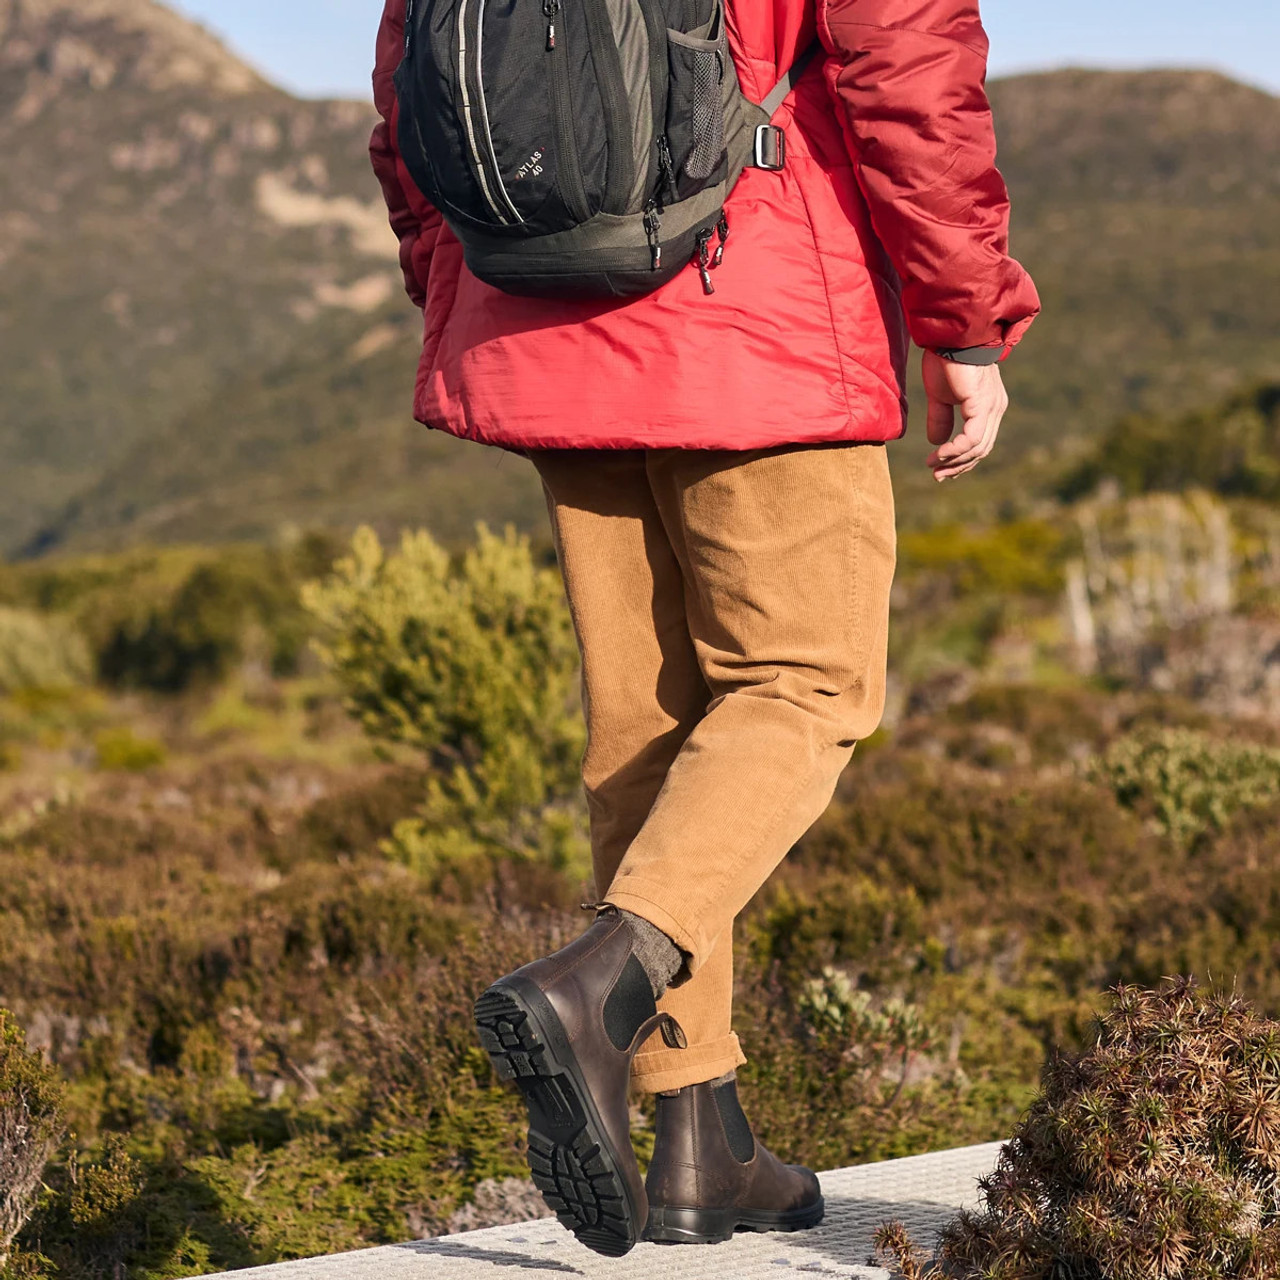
581,148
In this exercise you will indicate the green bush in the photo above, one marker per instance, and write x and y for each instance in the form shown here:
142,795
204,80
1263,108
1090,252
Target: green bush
217,1162
473,663
196,637
174,618
40,652
1232,448
1187,782
1023,557
31,1126
835,1009
121,748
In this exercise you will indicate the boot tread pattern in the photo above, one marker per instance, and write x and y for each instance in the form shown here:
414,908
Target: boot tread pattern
569,1168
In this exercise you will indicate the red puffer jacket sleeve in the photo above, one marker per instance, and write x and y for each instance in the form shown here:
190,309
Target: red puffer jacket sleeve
909,79
413,219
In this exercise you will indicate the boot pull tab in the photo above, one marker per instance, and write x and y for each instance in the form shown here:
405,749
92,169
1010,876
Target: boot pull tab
592,906
673,1033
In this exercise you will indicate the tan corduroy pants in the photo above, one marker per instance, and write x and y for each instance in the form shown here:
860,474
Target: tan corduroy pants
732,610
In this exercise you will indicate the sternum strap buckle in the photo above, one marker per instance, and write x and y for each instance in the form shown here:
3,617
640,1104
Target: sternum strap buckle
770,150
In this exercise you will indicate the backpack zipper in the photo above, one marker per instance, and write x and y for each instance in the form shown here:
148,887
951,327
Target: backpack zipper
722,230
486,164
606,58
652,227
568,170
666,167
703,259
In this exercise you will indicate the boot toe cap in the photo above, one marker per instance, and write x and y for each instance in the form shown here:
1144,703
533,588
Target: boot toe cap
809,1189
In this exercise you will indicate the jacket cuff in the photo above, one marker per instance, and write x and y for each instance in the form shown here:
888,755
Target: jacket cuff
973,355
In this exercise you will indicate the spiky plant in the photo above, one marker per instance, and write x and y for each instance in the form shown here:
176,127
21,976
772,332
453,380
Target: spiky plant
31,1126
1154,1155
894,1245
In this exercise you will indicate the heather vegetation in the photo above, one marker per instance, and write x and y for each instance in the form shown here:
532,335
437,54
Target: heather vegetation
270,816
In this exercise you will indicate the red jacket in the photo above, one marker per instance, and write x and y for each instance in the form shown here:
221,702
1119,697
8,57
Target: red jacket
890,209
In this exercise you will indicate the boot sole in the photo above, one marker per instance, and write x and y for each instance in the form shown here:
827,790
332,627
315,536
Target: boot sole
573,1163
714,1226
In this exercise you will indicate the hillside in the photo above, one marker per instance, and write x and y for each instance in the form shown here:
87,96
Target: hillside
165,218
201,334
1147,205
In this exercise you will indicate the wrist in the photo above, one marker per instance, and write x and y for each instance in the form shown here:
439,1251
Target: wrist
972,355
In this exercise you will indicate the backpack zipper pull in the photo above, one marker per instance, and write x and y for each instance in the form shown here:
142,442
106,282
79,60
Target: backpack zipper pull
666,167
652,225
551,8
704,260
722,230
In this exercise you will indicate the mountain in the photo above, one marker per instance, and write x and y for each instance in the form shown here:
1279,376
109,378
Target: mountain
1147,205
202,335
168,220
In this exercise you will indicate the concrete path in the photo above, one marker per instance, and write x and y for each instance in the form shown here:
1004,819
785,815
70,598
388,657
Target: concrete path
922,1191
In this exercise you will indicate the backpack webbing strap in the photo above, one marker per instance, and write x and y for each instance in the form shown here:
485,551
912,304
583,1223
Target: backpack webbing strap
788,82
769,149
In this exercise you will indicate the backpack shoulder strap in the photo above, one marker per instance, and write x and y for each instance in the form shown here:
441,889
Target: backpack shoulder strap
788,82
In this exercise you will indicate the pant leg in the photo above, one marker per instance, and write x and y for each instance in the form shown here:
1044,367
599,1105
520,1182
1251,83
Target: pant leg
643,692
787,557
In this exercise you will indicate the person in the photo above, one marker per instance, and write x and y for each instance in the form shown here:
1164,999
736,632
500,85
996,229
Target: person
716,475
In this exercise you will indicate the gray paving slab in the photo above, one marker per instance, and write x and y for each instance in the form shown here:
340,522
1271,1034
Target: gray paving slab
922,1191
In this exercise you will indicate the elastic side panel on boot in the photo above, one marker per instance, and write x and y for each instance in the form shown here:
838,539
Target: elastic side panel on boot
736,1126
630,1004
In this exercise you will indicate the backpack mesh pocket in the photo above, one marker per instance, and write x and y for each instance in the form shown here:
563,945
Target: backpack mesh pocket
695,111
708,114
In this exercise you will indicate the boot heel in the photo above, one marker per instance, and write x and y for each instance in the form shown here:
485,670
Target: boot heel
690,1226
569,1156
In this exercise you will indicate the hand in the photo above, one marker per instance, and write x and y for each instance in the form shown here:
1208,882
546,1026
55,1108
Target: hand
978,392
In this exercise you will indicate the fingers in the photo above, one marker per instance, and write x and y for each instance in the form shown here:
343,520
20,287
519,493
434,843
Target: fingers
975,442
941,421
978,392
972,449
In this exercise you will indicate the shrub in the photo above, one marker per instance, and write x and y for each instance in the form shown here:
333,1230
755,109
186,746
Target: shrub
1151,1156
217,1163
175,619
1231,447
835,1075
837,1011
1023,557
120,748
31,1098
195,637
38,652
474,663
1188,782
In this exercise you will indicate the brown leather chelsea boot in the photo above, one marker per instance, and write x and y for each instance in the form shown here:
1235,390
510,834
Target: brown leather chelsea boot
565,1029
710,1177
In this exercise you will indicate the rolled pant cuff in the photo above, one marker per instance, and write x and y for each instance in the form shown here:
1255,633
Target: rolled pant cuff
643,900
657,1070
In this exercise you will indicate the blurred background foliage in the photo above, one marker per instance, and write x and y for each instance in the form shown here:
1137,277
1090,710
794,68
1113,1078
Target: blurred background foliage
273,814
